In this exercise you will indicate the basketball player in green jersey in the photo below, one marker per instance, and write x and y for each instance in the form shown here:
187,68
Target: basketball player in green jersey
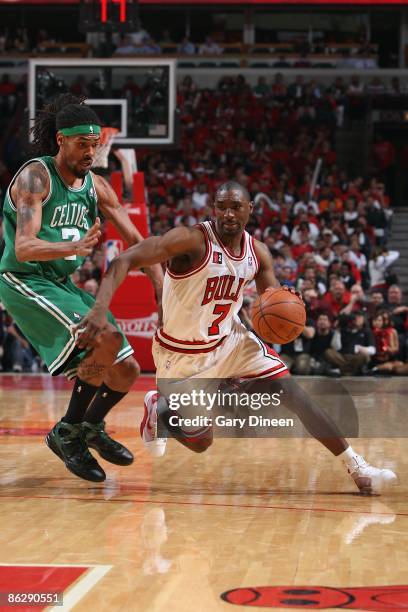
51,224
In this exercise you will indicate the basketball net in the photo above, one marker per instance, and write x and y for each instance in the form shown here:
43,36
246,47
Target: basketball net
102,151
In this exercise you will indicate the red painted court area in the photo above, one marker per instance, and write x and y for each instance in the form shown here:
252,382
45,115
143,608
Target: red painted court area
25,580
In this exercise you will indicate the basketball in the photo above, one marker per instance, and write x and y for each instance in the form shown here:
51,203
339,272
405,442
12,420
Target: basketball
278,316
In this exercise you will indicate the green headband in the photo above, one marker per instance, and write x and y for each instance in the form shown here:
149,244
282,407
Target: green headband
86,130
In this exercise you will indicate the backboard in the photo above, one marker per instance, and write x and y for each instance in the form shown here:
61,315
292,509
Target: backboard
137,96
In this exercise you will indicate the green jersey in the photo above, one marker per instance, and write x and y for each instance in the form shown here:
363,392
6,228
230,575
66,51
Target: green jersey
67,214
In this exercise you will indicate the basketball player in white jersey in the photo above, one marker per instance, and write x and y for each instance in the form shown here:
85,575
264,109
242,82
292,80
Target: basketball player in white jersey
202,336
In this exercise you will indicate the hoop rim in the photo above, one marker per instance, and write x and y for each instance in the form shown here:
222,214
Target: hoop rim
108,134
102,151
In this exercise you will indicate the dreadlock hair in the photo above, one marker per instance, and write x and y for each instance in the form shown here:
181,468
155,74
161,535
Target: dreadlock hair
63,112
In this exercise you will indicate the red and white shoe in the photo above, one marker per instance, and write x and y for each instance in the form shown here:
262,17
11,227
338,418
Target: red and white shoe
148,427
371,480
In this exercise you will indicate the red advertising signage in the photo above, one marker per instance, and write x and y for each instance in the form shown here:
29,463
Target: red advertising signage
133,305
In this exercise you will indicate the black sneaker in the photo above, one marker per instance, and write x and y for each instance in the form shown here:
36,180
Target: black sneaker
67,441
110,450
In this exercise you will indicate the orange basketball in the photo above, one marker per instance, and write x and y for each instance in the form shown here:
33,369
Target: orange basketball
278,316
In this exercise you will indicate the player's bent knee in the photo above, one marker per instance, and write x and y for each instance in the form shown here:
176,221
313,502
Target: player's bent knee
128,370
109,343
111,339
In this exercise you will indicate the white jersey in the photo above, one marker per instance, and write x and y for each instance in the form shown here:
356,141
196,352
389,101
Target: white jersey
201,305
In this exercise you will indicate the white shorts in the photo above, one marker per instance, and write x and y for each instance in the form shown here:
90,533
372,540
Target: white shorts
241,356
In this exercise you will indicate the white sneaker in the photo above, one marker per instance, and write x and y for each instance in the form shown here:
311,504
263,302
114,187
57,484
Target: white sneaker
370,479
148,427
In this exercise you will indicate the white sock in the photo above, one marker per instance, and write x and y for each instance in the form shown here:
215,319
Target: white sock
349,458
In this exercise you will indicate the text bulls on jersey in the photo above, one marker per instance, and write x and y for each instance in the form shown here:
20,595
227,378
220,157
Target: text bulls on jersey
221,288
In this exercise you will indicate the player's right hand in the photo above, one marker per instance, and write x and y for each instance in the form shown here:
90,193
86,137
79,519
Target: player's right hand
86,245
89,328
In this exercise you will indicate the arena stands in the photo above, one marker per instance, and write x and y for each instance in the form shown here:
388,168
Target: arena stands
328,241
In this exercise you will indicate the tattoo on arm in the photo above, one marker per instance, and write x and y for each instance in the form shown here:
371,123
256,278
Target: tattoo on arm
32,179
31,183
24,217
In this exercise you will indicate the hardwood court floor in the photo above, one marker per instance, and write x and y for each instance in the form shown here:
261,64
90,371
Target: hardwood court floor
173,534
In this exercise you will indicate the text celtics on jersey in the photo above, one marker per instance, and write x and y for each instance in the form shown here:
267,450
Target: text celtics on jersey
70,214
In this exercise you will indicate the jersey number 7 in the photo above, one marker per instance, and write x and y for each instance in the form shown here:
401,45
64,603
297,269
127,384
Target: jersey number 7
222,310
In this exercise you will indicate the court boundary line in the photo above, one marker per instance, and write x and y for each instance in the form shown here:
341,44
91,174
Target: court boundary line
209,504
82,587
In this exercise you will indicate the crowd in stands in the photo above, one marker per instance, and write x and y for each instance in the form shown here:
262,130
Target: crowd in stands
141,43
24,40
330,244
329,240
295,53
354,51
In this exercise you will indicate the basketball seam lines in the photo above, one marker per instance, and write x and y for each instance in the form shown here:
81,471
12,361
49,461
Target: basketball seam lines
286,302
263,318
272,314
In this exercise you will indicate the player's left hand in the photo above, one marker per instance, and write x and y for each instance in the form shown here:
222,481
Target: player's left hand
293,290
89,328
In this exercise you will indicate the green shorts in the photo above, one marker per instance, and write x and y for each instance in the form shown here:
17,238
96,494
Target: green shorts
46,310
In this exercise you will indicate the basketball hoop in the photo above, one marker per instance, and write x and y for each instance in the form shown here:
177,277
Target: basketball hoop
102,152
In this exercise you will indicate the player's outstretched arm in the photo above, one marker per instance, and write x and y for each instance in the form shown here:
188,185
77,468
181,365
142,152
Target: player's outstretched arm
154,250
29,191
111,209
